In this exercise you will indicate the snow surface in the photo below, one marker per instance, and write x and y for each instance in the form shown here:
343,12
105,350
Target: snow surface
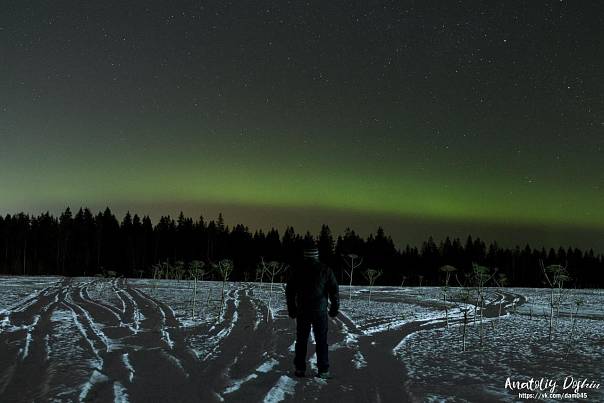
513,345
97,326
284,386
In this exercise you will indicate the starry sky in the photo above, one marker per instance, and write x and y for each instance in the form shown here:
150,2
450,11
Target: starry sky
425,117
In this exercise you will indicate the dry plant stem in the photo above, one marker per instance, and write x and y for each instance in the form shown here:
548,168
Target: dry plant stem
371,275
225,267
351,266
447,269
273,269
559,274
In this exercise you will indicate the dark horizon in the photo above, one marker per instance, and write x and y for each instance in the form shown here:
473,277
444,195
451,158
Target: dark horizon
403,230
83,242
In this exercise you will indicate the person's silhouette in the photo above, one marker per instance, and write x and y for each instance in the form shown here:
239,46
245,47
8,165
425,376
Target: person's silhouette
308,288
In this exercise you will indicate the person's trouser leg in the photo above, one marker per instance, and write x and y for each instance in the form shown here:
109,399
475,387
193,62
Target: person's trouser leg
319,327
302,333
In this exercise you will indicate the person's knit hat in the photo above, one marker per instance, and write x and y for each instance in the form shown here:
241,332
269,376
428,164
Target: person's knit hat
311,252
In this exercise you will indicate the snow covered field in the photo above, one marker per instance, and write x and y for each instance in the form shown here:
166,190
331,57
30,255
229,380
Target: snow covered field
91,339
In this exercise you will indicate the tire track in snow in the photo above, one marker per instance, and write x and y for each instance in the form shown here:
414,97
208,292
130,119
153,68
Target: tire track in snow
108,324
245,362
158,312
26,302
93,321
115,375
132,315
25,355
114,372
158,348
263,370
86,297
254,359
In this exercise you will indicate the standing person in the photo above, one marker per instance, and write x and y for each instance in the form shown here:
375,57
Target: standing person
308,288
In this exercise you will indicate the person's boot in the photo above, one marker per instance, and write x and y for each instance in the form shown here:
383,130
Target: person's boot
324,375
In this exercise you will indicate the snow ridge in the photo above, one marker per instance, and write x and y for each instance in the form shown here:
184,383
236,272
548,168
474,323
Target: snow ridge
284,386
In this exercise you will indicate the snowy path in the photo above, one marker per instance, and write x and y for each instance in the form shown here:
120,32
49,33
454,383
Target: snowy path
372,371
112,340
125,350
134,352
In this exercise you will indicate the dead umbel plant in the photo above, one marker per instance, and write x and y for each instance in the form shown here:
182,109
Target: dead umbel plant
272,269
224,269
352,261
555,275
464,296
260,272
178,270
481,275
196,271
159,270
447,270
371,275
403,278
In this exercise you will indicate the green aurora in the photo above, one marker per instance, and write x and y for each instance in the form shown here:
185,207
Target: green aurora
257,177
424,118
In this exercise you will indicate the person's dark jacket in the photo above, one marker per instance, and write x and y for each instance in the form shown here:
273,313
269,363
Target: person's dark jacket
308,288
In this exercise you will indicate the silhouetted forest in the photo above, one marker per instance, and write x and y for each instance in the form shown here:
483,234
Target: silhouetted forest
87,244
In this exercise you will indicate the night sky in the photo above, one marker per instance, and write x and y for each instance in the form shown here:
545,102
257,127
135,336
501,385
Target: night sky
425,117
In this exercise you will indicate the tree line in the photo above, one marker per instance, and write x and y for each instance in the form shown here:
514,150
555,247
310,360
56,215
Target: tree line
84,244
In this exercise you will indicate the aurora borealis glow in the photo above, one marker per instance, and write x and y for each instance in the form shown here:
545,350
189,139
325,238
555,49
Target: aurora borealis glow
450,118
